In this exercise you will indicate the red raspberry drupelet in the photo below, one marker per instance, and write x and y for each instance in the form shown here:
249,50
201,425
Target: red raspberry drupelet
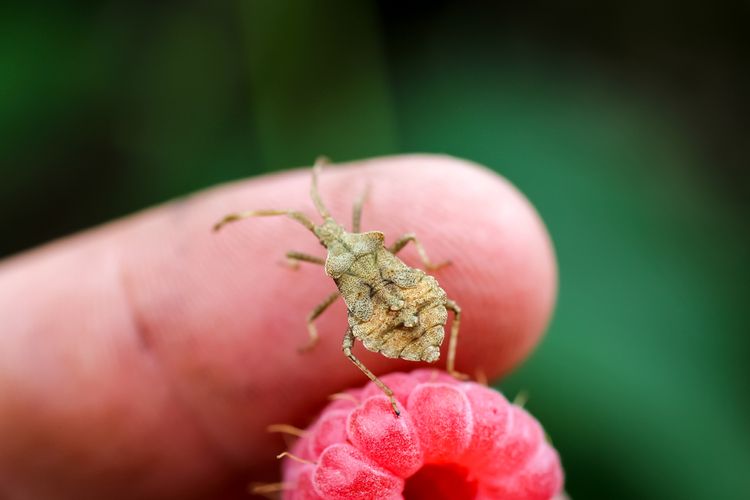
454,440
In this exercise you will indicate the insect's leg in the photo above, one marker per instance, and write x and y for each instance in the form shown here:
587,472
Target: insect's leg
293,214
401,243
294,258
348,343
313,316
453,342
357,212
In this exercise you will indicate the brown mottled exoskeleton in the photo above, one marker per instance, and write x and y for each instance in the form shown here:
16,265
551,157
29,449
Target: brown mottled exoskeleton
394,309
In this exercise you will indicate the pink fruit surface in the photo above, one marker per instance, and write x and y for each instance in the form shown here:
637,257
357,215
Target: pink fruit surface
453,440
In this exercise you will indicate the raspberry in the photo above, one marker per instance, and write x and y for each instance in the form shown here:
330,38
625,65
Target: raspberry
453,440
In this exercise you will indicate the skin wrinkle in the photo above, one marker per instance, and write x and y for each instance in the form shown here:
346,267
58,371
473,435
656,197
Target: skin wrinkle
140,330
145,336
195,373
187,401
98,419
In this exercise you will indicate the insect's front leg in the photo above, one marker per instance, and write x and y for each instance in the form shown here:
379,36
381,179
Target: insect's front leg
319,309
401,243
292,214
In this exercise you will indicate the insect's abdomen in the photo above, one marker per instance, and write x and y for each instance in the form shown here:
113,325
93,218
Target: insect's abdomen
415,332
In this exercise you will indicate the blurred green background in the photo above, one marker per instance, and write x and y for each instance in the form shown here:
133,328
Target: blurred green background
626,124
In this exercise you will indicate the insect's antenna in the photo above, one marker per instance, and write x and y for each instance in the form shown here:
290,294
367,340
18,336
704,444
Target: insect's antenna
357,212
314,194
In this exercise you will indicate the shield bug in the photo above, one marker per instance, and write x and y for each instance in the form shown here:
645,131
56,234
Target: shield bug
393,309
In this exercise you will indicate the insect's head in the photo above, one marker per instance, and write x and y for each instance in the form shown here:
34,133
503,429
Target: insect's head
329,231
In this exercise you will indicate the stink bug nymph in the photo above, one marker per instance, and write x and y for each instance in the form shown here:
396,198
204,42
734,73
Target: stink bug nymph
393,309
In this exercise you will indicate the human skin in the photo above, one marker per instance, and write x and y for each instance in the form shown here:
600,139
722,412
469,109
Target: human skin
145,358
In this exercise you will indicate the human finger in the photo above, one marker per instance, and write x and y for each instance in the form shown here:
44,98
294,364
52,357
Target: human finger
178,347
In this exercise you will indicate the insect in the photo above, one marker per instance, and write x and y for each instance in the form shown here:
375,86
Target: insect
393,309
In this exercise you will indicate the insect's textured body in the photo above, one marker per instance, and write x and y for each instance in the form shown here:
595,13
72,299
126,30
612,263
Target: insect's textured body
414,332
393,309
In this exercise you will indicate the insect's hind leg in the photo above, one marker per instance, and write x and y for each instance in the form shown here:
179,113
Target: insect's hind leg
347,347
319,309
453,341
401,243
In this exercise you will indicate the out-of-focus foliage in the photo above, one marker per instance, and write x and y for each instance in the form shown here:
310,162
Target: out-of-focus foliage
625,124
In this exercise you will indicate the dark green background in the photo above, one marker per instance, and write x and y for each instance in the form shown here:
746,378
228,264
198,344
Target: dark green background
625,124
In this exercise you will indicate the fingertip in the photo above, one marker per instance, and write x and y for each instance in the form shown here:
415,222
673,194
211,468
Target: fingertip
240,309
